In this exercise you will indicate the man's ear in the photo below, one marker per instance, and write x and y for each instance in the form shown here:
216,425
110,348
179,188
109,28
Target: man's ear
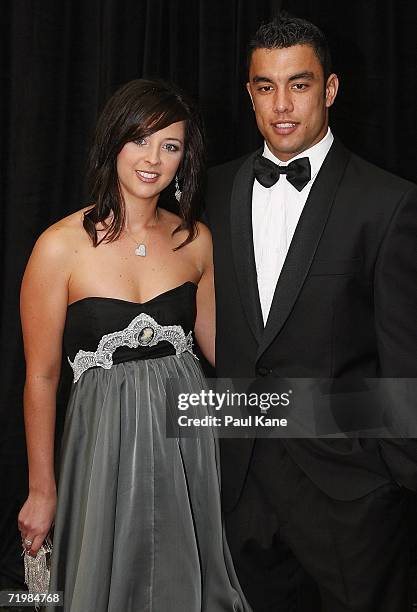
250,94
332,87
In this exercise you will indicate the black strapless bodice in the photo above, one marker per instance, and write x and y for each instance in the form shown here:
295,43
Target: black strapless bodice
91,318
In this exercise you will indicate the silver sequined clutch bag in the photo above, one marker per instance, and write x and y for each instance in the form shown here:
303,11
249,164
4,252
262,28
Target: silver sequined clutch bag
38,569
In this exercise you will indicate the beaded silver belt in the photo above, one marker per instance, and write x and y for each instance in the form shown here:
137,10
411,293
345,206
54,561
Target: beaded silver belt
142,331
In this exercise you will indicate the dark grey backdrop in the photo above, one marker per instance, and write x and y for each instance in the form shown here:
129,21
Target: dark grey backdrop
59,61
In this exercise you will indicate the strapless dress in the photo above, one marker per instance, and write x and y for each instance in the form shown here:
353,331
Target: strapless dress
138,525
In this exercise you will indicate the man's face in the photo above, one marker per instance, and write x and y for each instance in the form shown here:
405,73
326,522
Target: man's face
289,98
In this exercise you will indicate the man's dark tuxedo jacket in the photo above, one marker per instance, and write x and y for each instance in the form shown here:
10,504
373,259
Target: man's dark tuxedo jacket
345,306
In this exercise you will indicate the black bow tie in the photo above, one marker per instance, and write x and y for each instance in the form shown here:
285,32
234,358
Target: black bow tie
267,173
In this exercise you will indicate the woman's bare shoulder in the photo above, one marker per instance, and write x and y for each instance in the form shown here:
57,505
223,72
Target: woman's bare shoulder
73,222
201,248
169,218
202,240
203,234
64,236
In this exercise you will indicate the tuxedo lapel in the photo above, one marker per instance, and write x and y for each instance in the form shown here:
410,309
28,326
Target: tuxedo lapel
305,241
242,245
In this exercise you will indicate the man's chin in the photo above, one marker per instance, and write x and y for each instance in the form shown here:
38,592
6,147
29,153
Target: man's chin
286,151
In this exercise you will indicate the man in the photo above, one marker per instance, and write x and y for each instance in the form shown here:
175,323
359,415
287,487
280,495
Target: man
316,276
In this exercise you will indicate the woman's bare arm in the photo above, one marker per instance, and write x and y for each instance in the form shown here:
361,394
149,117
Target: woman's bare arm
205,326
44,298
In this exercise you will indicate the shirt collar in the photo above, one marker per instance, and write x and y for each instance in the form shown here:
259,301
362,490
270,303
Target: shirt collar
316,153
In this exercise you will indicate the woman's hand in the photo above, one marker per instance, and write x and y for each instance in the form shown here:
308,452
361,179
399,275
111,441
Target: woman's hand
35,519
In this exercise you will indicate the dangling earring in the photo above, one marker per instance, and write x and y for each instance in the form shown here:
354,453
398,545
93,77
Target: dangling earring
177,189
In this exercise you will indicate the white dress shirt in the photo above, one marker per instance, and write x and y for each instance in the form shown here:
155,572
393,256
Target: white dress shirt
275,213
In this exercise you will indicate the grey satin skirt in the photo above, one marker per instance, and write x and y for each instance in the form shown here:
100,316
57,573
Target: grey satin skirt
138,526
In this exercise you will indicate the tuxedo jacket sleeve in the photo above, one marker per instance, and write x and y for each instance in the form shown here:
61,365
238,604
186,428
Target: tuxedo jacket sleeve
344,306
395,288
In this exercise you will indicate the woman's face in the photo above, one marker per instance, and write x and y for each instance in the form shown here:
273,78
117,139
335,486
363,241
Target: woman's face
146,166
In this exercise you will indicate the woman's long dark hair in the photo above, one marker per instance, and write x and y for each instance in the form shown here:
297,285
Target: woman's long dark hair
136,110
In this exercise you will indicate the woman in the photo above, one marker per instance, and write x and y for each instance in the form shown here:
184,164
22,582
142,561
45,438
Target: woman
137,522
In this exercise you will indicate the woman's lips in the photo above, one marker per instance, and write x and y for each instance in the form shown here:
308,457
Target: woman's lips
147,177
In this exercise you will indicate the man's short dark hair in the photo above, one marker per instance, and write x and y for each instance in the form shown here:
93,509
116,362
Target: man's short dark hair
287,31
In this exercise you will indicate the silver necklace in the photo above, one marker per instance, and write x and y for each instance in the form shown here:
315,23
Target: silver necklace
140,249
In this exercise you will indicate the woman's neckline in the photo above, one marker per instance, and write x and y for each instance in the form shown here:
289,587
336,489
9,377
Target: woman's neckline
114,299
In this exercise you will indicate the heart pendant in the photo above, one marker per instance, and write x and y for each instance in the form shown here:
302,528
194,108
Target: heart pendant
140,250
